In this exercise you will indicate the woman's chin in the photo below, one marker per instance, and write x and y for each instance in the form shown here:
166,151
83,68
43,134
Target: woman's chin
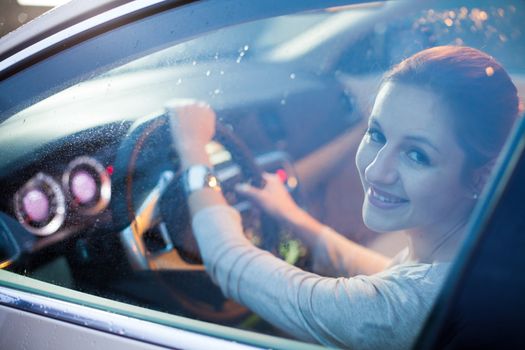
381,223
378,227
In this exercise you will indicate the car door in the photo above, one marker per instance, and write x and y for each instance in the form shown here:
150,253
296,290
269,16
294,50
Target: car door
96,247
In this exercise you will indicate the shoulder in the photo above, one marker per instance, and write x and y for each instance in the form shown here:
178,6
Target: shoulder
392,305
421,276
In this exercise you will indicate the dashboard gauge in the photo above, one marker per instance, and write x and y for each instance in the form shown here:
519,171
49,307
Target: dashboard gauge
88,185
83,187
40,205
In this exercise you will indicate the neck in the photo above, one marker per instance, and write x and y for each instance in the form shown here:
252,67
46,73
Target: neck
429,247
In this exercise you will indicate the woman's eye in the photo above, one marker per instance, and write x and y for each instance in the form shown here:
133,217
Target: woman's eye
375,136
418,157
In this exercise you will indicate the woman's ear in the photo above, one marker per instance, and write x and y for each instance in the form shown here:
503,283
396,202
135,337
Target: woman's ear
481,176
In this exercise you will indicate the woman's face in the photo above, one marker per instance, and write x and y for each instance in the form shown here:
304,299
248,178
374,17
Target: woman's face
411,165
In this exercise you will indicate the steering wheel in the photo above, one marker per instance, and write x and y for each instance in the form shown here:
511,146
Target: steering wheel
152,209
161,205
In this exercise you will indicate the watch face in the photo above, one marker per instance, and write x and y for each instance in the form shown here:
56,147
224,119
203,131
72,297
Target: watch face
213,182
200,176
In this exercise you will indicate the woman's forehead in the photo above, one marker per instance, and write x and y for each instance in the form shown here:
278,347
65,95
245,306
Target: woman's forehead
409,106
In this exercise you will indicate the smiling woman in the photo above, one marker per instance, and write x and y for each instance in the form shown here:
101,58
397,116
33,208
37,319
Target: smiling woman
436,155
410,165
417,176
193,163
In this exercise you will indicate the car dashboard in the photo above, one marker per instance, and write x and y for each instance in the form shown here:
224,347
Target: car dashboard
95,155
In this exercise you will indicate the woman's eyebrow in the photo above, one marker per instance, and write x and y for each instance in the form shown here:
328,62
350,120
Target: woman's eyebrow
423,140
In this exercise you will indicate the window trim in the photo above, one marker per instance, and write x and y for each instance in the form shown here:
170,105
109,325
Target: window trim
150,326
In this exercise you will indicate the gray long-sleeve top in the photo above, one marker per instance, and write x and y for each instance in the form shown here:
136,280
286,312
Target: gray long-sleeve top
382,311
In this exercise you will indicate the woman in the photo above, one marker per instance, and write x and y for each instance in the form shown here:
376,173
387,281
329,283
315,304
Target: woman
437,125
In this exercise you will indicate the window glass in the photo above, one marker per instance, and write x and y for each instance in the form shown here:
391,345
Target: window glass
92,195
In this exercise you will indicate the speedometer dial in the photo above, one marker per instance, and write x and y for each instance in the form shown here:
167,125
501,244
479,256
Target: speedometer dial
40,205
88,185
83,187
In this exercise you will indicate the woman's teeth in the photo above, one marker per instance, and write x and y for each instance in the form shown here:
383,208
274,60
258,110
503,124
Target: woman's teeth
386,199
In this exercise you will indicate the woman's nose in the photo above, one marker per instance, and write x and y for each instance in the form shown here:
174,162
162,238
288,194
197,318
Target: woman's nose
382,169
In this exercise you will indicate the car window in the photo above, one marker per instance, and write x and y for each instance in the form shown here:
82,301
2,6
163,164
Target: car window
492,26
93,197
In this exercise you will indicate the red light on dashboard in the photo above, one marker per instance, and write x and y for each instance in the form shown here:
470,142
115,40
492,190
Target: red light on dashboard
283,176
109,170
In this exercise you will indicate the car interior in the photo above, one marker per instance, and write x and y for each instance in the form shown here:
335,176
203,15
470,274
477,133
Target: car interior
91,197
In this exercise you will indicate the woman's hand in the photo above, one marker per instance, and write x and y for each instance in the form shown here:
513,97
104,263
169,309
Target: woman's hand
273,198
192,126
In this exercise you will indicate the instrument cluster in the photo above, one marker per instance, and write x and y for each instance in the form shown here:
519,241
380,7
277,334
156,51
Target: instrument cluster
43,203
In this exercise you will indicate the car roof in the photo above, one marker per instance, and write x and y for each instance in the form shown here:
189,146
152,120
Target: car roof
52,22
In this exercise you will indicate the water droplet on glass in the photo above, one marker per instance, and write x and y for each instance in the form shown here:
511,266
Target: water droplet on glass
222,72
217,91
194,63
246,47
22,17
292,76
208,73
283,101
179,81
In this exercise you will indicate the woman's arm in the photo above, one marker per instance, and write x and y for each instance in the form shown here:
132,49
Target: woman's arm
333,255
360,312
193,126
364,312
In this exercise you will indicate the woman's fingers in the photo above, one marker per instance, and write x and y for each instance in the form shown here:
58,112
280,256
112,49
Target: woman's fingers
192,123
273,198
248,191
254,192
192,126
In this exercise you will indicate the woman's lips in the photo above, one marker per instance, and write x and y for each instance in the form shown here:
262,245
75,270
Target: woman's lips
384,200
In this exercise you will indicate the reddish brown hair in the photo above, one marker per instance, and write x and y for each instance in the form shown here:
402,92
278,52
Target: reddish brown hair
477,90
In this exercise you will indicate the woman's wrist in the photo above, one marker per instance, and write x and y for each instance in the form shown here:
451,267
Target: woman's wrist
295,216
306,227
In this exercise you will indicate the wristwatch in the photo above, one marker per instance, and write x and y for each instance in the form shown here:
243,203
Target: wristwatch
197,177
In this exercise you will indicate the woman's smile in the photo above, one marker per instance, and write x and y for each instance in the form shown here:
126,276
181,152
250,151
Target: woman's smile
384,200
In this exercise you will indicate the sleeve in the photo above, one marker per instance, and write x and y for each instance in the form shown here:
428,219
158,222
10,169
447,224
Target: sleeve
361,312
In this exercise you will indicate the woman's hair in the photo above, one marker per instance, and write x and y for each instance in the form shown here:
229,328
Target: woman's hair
474,87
